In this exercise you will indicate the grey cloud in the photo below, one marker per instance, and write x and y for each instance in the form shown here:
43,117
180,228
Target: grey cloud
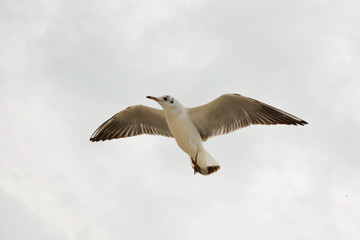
67,66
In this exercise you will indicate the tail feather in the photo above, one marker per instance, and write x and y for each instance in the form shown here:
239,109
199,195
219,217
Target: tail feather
204,163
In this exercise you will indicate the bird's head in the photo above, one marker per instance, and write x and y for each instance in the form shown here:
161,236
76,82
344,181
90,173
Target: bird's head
167,102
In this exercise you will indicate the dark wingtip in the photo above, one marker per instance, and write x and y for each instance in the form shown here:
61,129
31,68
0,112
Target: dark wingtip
96,138
302,123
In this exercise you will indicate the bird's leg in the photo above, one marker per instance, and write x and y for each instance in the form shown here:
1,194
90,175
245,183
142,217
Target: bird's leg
196,166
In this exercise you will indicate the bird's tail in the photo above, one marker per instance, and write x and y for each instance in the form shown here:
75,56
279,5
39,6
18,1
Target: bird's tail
204,163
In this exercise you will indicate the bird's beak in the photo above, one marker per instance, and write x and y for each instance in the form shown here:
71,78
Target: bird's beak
153,98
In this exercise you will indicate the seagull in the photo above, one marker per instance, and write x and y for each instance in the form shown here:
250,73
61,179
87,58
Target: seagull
192,126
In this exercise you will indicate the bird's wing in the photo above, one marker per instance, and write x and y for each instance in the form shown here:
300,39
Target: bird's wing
233,111
132,121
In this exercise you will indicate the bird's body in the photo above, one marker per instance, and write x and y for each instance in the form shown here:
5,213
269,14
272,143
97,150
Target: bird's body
184,131
191,126
187,136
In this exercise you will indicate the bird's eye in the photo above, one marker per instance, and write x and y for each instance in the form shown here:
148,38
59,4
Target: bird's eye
165,98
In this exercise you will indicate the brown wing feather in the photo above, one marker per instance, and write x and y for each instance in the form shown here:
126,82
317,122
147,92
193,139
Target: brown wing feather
230,112
133,121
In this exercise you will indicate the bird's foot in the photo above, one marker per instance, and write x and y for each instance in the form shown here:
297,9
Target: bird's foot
195,165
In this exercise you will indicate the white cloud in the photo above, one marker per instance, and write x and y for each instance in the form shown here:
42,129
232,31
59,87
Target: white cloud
67,66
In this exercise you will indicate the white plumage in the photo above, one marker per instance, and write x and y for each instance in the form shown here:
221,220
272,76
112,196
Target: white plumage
191,126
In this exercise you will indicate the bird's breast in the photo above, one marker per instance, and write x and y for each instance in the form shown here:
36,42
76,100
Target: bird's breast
185,133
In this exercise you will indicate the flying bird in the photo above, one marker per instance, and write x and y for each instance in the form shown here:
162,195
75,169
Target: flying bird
192,126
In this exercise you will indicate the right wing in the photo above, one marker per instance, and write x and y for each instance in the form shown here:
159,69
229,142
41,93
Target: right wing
133,121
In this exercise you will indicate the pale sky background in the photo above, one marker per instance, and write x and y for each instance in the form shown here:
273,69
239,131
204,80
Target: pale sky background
67,66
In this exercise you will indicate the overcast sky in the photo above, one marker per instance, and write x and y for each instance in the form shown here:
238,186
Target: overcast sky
67,66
